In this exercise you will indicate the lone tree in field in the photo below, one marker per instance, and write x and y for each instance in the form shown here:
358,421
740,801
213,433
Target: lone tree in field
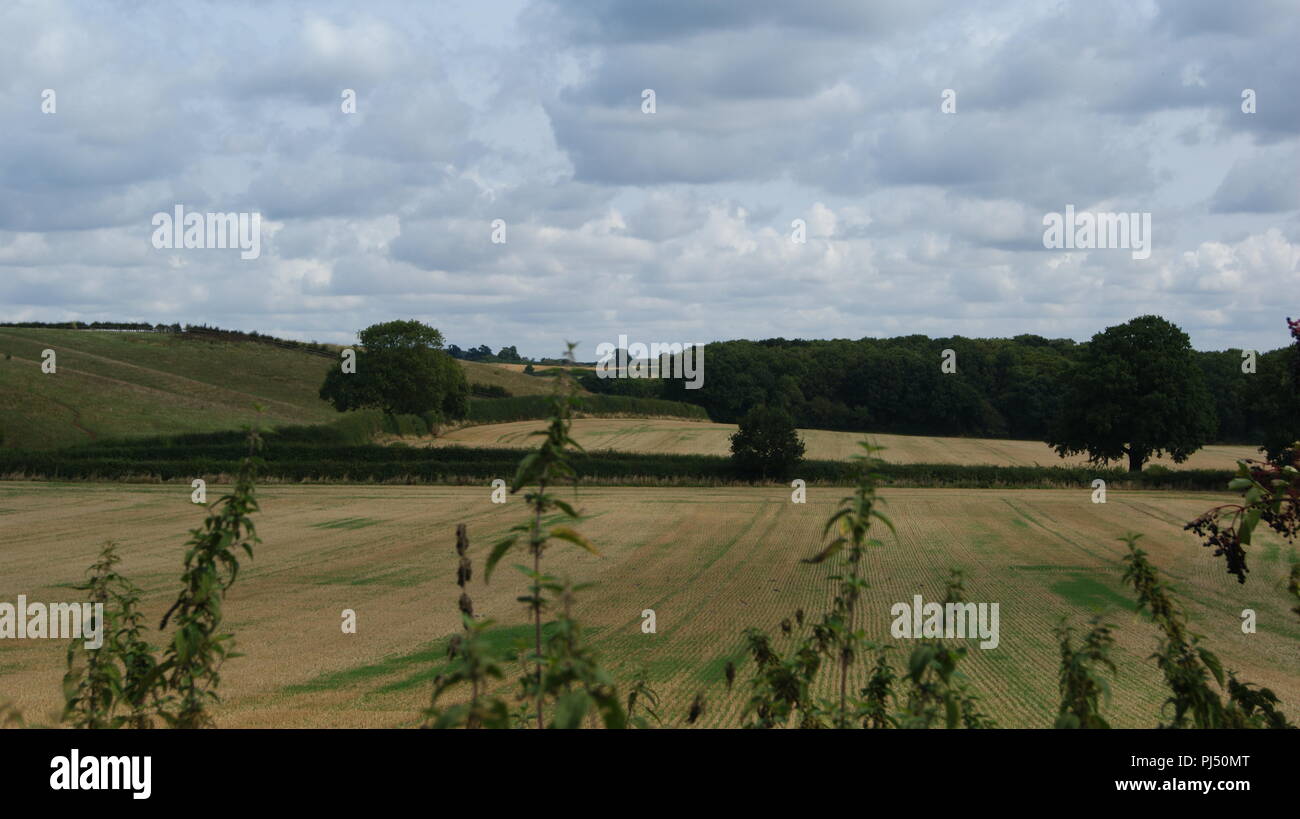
401,369
1136,393
767,445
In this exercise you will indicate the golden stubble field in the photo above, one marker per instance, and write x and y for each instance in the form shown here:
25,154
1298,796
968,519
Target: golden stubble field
671,436
710,562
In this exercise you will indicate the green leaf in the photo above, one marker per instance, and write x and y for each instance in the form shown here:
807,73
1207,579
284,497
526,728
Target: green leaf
498,552
565,533
885,520
835,517
1248,523
1212,663
918,661
953,713
570,708
527,471
1067,720
830,550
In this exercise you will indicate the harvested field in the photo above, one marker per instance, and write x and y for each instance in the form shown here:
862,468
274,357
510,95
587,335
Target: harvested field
710,562
697,438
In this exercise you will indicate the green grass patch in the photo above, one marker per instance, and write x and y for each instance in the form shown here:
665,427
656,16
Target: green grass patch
504,641
346,523
1084,591
428,654
428,661
396,578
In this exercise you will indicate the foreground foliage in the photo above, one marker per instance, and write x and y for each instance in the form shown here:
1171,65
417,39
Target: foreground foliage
127,682
562,679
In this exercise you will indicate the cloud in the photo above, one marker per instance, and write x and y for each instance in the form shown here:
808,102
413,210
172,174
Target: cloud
1267,181
674,225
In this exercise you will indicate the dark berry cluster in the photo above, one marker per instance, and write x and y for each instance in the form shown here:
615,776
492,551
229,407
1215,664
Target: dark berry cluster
1225,541
1278,507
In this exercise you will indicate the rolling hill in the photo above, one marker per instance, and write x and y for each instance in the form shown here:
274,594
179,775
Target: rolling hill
121,384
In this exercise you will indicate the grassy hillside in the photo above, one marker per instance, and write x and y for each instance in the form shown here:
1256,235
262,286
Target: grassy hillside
675,437
111,385
509,376
114,385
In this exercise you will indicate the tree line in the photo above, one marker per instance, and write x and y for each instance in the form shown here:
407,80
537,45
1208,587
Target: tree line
506,355
1001,387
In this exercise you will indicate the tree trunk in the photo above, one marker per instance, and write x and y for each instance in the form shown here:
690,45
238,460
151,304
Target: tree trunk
1135,460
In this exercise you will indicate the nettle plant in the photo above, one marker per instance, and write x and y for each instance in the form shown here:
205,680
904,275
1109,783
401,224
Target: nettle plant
473,662
562,678
114,685
1188,667
125,683
191,662
786,689
939,693
1083,686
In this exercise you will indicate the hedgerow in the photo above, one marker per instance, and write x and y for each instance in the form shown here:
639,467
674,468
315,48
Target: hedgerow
301,454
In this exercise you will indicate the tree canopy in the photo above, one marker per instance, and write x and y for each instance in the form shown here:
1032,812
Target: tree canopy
1278,401
767,444
400,369
1136,392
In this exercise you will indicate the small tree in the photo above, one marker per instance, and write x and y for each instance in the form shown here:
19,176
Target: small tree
1135,394
767,444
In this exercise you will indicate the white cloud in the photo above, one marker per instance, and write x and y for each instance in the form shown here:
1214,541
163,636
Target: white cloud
672,225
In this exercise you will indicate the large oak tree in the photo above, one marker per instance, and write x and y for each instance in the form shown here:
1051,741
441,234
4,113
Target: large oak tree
401,369
1136,393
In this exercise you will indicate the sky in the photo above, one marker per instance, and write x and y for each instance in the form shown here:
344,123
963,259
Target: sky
921,143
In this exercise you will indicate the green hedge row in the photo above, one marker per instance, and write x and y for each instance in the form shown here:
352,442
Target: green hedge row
351,429
297,460
489,391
